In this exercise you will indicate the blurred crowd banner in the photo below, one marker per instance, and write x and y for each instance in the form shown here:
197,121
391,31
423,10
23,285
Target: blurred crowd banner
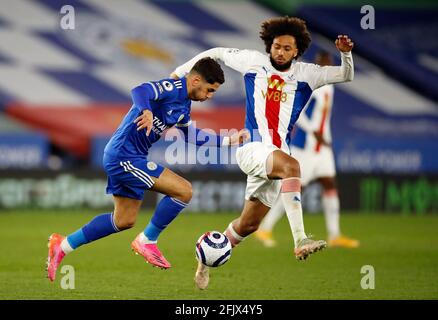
217,191
23,151
71,88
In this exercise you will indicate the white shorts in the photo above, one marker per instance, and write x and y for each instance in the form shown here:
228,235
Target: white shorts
251,159
314,165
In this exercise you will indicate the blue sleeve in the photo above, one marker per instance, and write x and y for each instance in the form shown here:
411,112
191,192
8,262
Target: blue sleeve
200,137
153,90
142,95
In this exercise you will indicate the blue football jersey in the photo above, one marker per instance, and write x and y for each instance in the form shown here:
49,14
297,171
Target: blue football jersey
169,102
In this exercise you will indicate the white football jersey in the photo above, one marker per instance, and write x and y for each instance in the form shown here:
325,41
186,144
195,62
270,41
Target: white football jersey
274,99
316,116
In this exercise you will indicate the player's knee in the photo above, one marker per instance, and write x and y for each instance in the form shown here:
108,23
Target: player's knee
125,221
128,224
291,168
185,193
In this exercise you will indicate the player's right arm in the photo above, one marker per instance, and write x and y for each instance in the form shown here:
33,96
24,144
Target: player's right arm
239,60
141,97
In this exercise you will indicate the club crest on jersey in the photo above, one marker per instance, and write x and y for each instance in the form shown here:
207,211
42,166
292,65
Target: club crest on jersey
167,85
151,165
275,83
275,89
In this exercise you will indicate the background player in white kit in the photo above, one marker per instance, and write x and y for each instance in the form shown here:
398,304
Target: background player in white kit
311,146
277,89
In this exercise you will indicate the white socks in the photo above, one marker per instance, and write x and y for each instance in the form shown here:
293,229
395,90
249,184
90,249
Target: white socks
145,240
233,236
66,247
330,205
291,197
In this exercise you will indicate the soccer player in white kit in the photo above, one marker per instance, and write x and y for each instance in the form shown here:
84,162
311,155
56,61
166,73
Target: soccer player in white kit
311,146
277,89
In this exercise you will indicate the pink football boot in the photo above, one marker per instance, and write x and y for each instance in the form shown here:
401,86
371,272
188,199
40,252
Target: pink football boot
55,255
150,252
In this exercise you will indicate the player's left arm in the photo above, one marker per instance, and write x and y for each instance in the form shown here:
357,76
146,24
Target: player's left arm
205,137
335,74
239,60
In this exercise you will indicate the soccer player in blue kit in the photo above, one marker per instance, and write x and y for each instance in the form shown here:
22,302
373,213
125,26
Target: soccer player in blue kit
157,105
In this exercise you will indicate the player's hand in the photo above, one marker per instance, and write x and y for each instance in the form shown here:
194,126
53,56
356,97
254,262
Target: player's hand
174,76
344,43
240,137
145,121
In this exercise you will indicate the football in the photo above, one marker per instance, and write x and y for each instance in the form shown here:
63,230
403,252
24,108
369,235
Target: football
213,249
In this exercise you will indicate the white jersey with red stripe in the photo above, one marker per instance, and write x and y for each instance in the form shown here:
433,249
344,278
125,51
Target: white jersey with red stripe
274,99
315,117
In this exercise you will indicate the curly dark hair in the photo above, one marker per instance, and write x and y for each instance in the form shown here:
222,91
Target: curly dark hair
281,26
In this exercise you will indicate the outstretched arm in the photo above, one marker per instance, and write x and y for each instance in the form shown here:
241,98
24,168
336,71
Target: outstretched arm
234,58
200,137
182,70
336,74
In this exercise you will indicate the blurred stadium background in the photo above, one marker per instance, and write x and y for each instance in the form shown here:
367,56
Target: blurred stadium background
63,92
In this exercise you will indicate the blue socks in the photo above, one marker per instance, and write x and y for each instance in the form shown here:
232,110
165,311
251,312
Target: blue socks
101,226
167,210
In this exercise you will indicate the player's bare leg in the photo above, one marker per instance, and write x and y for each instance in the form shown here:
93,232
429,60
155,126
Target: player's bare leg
282,166
331,208
179,192
173,185
125,212
252,215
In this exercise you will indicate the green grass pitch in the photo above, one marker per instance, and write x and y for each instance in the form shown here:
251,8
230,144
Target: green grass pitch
402,249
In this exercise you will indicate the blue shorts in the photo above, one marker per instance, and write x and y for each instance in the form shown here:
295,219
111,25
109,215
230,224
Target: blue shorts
130,177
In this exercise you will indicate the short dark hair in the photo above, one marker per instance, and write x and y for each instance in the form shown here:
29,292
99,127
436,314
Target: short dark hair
210,70
281,26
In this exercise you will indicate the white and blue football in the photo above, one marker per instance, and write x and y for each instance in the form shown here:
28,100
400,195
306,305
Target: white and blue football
213,249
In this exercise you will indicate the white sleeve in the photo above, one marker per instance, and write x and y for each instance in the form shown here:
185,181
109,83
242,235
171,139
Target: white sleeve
320,76
239,60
